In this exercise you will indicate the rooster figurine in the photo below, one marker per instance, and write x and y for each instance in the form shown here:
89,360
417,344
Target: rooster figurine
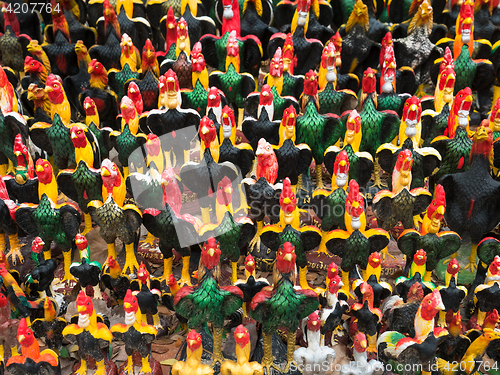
360,163
317,131
315,353
436,244
356,243
283,306
232,234
242,366
92,338
289,229
401,204
137,337
31,360
466,205
192,303
192,365
420,349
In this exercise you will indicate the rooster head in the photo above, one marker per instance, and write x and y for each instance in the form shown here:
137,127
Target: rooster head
303,7
288,200
460,109
289,59
431,304
80,241
37,245
416,293
446,84
250,264
54,89
134,93
148,55
455,326
276,66
225,192
453,267
482,143
354,204
436,209
25,335
289,121
328,62
172,281
89,106
127,108
266,95
108,11
366,290
84,304
358,17
494,267
182,30
311,83
233,47
32,66
336,39
422,18
44,171
447,61
353,126
153,145
37,94
213,99
130,304
241,336
126,45
465,21
207,131
411,115
360,343
197,58
142,273
341,169
171,82
96,68
113,266
78,136
334,284
265,153
111,176
20,150
494,119
369,83
81,50
374,259
388,74
171,21
169,182
228,122
332,271
313,322
193,340
401,176
210,253
285,259
420,257
492,318
387,40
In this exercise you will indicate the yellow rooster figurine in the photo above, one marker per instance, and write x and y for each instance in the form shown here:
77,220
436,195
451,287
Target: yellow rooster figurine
241,366
193,365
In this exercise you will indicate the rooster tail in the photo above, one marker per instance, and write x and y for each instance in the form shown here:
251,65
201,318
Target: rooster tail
444,366
390,339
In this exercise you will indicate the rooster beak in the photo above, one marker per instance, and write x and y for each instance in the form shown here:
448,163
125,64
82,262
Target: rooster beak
286,200
39,169
20,338
127,305
228,190
105,172
240,335
288,257
211,251
79,241
80,308
343,163
364,344
73,135
440,210
341,284
48,89
441,306
204,130
314,323
17,153
413,107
